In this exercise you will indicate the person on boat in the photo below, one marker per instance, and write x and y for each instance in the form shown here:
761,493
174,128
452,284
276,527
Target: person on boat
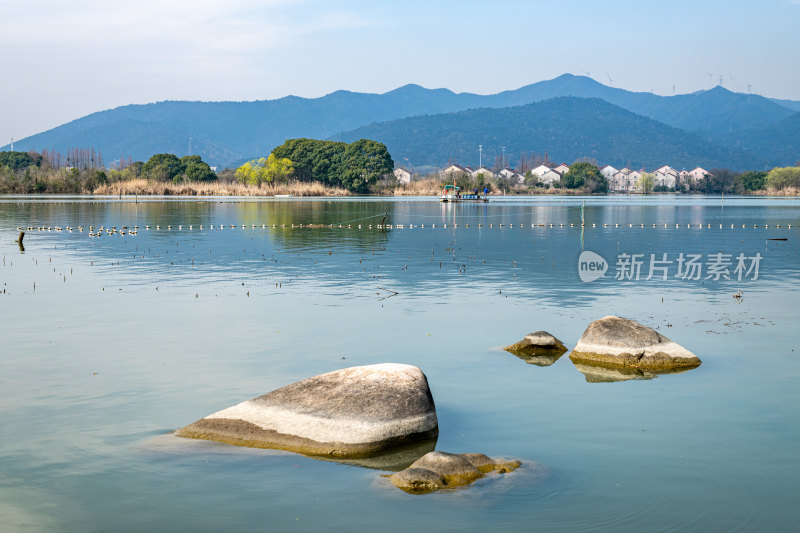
475,192
486,190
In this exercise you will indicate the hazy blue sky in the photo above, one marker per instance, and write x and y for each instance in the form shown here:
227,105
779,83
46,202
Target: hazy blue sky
62,60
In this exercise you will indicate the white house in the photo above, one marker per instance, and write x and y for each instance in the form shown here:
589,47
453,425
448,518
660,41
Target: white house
619,180
633,180
403,176
512,175
608,171
455,169
697,174
665,176
540,171
550,176
625,180
563,168
487,173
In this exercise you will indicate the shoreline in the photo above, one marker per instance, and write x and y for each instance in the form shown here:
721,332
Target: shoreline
143,187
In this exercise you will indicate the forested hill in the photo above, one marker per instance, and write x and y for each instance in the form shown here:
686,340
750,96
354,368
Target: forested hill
228,133
565,128
778,143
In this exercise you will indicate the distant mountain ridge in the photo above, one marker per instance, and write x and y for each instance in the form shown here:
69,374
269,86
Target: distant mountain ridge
228,133
567,128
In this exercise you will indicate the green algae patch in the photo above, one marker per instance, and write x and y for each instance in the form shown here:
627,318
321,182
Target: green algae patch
658,362
440,470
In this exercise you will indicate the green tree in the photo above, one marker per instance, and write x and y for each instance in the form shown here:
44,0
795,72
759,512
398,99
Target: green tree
353,166
265,170
197,169
586,175
753,180
364,162
16,160
646,182
278,169
163,167
783,178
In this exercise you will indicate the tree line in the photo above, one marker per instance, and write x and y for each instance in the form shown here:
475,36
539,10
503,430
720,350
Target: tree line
357,167
32,172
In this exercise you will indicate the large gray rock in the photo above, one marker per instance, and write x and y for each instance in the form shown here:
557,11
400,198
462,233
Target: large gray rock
538,348
618,341
439,470
355,412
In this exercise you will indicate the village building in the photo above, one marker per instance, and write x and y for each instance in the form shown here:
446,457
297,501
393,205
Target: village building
456,169
697,174
403,176
540,170
512,175
619,180
487,172
608,171
562,169
550,176
665,176
633,180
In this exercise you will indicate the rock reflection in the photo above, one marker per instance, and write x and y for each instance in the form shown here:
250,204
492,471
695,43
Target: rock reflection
393,460
610,374
542,357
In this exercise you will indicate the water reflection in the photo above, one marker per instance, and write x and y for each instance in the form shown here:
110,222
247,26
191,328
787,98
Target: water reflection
393,460
610,374
542,359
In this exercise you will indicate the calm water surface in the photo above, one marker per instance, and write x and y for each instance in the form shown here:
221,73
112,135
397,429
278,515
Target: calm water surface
110,343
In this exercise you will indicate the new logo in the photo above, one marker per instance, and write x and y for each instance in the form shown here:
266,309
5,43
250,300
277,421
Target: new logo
591,266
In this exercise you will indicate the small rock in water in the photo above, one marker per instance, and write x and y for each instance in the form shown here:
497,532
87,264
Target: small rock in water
440,470
538,348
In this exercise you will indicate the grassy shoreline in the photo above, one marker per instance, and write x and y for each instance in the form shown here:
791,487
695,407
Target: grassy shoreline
429,187
143,187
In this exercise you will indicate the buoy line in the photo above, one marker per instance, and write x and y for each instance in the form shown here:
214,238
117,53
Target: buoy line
122,230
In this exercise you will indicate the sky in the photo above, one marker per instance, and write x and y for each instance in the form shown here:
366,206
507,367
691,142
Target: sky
62,60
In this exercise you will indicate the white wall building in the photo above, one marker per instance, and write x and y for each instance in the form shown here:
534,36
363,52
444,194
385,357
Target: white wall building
455,169
550,176
563,168
697,174
608,171
487,173
403,176
540,170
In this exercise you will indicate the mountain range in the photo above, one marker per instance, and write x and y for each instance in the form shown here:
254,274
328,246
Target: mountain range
567,126
714,126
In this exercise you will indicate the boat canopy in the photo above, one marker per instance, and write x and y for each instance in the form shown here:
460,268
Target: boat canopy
452,187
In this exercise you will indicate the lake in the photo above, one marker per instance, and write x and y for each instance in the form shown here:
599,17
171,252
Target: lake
110,343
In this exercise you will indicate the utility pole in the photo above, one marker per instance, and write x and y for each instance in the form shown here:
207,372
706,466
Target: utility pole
480,155
12,144
504,157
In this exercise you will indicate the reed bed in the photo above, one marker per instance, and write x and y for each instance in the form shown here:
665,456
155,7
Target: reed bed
157,188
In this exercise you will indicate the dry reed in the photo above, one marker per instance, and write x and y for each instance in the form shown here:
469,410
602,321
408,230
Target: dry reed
158,188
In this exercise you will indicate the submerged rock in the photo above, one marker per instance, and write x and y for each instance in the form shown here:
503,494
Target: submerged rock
355,412
621,342
538,348
439,470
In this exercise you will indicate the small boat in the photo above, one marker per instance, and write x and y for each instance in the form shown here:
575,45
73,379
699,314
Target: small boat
452,193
